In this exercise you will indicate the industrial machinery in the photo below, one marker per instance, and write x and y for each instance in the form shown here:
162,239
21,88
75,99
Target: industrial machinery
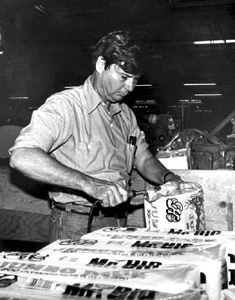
206,151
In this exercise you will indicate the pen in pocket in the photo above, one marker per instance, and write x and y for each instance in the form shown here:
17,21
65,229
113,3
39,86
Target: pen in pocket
132,143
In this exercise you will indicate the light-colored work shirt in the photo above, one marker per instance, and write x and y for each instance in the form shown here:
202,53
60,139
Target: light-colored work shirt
77,129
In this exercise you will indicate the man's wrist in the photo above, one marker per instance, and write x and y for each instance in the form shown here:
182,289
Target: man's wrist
170,176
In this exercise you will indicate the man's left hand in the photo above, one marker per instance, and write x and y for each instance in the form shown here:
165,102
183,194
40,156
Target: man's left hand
174,187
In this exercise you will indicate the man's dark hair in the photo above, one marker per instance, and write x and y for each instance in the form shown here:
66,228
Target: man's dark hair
121,48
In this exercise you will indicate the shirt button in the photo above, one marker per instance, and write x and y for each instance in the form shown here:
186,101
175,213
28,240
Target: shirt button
111,124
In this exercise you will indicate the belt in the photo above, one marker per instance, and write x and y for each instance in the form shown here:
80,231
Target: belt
118,211
73,208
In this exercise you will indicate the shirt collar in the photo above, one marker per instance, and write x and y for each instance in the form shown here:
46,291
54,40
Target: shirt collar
94,100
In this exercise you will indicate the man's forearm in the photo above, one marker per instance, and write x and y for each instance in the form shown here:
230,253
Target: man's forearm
38,165
154,171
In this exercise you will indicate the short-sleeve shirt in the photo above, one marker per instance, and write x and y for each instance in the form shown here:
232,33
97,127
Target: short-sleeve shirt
77,129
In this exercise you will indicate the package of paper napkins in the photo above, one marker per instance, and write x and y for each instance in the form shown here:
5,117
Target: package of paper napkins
174,207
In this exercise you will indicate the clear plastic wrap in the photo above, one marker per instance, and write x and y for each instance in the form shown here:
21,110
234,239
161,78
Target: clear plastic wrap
175,207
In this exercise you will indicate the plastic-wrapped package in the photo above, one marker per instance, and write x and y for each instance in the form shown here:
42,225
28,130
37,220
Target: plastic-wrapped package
150,252
173,207
27,288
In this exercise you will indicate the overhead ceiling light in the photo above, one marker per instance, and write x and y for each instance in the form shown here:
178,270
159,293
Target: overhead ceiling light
209,42
1,52
18,97
189,84
41,9
147,84
207,95
191,101
214,42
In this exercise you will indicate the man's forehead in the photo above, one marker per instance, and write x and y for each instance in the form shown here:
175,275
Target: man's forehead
120,70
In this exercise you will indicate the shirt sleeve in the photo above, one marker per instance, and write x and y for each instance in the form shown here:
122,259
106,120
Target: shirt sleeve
50,126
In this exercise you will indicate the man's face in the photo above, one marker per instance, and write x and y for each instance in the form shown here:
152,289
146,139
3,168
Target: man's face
116,83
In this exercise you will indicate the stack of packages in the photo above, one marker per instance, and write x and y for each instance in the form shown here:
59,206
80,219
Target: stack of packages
121,263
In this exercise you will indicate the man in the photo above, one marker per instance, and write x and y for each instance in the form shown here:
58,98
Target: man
84,142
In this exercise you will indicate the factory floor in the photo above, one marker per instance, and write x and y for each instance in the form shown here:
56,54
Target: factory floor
21,246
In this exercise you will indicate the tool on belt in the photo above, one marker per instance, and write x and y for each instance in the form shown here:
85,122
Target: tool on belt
131,194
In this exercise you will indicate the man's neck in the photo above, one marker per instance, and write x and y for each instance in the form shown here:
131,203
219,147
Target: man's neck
94,82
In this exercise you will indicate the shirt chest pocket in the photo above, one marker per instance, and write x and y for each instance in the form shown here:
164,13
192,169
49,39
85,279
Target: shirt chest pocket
90,157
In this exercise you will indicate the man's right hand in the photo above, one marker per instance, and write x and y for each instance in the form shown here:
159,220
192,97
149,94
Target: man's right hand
110,194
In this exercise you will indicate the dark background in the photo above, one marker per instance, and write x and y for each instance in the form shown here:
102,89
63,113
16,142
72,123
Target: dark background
47,46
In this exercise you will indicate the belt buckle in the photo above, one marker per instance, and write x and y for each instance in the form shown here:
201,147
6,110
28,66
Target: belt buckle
68,207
